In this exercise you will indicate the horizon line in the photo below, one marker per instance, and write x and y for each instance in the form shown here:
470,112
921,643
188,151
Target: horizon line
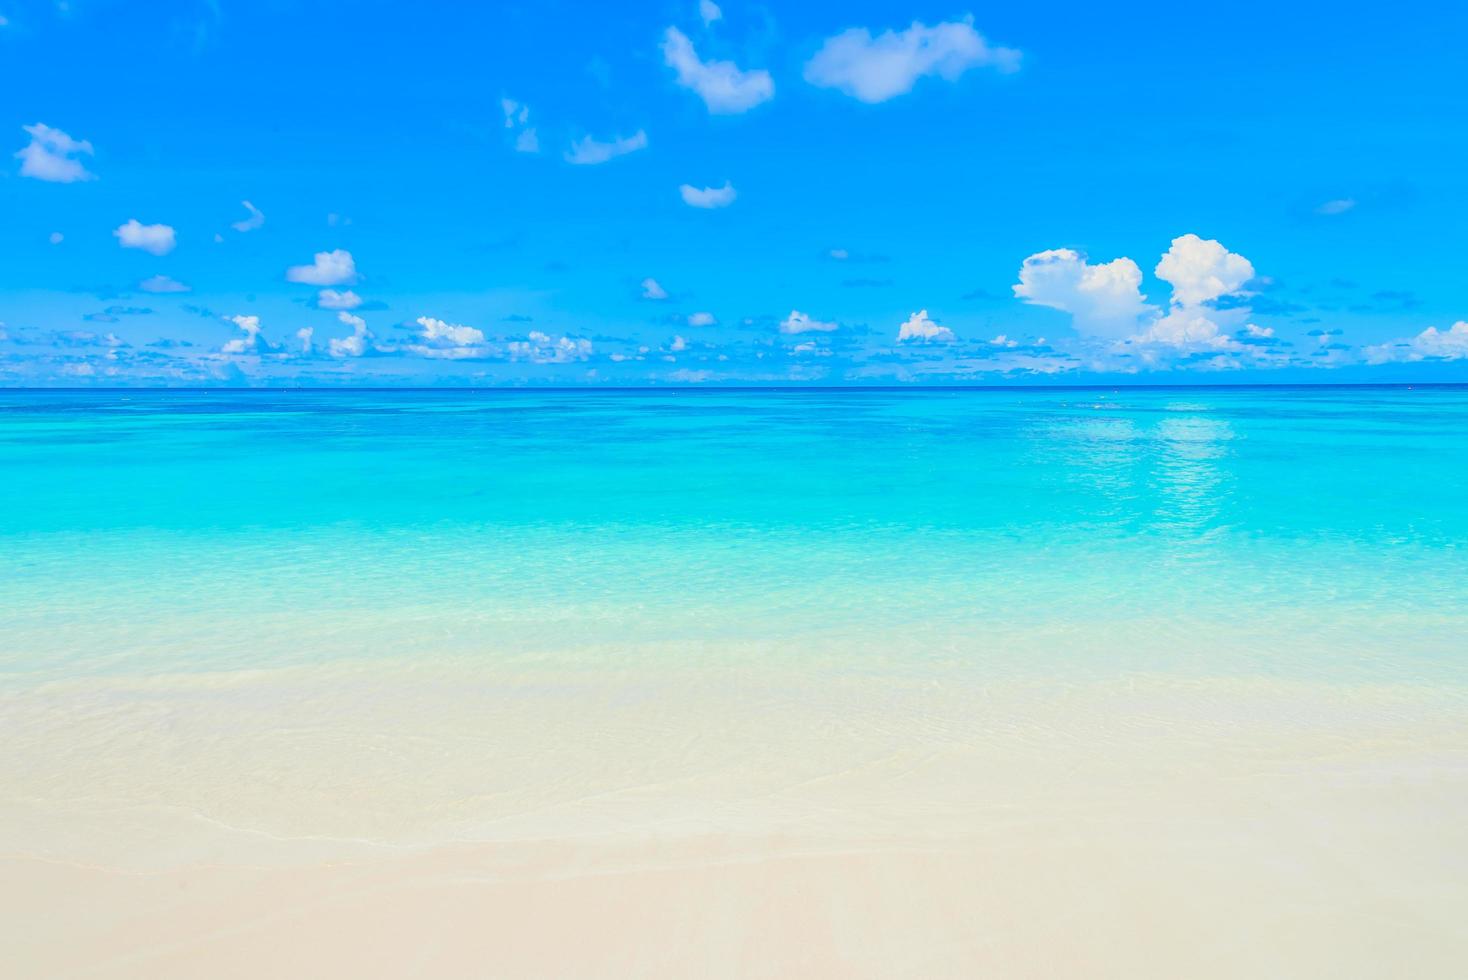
265,389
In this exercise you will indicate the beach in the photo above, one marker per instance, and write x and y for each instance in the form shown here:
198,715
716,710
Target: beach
1007,683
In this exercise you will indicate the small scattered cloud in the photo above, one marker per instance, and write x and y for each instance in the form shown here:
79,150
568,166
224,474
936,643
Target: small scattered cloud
1431,344
724,88
334,268
162,284
652,290
798,322
517,120
255,219
708,197
331,299
154,239
920,327
839,254
55,238
875,69
701,319
708,12
304,335
354,345
251,343
541,348
51,155
589,151
1338,206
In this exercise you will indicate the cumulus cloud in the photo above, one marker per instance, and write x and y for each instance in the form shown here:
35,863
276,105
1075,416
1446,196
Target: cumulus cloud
51,155
1200,270
1431,344
543,349
55,238
590,151
255,220
356,344
1103,299
652,290
162,284
333,268
708,197
678,344
708,12
875,69
920,327
439,333
724,88
155,239
701,319
331,299
251,342
798,322
304,335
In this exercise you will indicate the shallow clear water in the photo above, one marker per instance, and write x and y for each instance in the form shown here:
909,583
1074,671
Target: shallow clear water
1308,532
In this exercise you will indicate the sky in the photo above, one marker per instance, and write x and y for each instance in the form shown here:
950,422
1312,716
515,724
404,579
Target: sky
220,192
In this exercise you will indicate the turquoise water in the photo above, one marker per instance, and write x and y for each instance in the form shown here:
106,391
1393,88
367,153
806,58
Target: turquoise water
1310,532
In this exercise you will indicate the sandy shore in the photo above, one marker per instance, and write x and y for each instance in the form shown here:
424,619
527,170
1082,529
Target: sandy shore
1134,828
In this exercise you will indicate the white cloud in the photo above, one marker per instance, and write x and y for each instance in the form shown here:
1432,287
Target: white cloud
1431,344
1103,299
55,238
544,349
875,69
332,268
527,141
589,151
251,342
304,335
919,327
453,334
1106,300
1201,270
798,322
155,239
701,319
331,299
162,284
255,220
724,88
50,155
840,254
652,290
708,197
709,12
1189,326
356,344
1338,206
678,344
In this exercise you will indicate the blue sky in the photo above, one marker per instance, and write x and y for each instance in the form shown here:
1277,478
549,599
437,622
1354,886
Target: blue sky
679,193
